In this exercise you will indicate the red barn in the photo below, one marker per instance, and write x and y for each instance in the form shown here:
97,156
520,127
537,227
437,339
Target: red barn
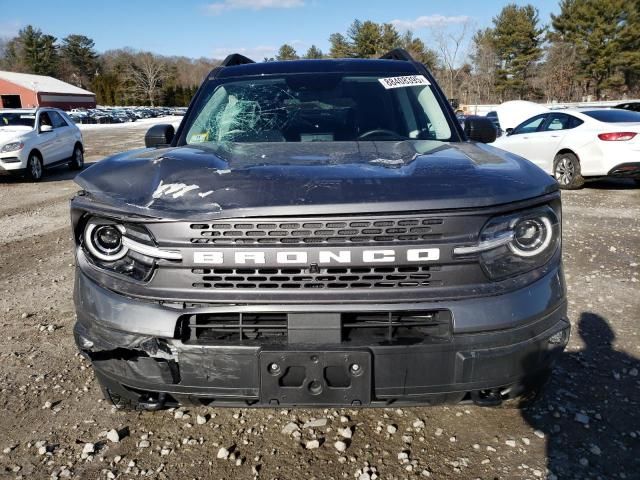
23,90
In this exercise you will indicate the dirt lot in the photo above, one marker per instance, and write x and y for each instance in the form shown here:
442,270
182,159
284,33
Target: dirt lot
587,425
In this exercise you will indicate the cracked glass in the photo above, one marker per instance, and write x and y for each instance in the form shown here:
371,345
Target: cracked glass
316,108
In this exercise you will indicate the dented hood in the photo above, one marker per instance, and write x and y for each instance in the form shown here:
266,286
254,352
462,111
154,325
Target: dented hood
201,181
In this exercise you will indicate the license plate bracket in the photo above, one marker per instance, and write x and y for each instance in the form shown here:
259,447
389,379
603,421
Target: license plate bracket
327,378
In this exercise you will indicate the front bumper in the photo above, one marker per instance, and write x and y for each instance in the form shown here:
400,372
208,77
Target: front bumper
12,162
498,344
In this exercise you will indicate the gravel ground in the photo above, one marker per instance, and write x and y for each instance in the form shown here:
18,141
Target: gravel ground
55,425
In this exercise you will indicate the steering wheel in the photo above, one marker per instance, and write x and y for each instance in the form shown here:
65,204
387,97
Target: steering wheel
380,132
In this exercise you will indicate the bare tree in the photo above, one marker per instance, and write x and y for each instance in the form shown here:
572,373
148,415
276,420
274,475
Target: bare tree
558,75
452,44
147,73
484,62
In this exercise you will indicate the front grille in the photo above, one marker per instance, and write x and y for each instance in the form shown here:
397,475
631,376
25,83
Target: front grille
396,326
354,328
234,327
325,278
319,232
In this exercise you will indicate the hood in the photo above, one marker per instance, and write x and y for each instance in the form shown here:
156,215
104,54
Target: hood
199,181
8,134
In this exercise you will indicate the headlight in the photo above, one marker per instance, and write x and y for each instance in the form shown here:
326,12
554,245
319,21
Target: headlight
105,241
125,249
517,243
531,236
12,147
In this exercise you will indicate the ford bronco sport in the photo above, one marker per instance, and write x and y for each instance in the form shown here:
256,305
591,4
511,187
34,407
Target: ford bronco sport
318,232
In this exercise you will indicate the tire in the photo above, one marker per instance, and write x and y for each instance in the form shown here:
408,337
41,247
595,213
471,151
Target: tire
566,171
35,169
77,158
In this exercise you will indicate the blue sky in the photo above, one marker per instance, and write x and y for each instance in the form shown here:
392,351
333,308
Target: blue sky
214,28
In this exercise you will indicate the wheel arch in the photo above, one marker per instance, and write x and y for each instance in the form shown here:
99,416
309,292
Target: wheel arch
566,150
79,144
37,152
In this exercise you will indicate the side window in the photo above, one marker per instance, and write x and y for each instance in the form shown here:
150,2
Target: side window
574,122
562,121
529,126
57,120
557,122
44,120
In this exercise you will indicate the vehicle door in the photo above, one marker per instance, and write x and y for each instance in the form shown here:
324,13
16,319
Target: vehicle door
47,139
522,139
554,130
65,135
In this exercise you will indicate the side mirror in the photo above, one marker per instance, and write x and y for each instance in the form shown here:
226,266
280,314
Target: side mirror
509,131
46,128
159,136
480,129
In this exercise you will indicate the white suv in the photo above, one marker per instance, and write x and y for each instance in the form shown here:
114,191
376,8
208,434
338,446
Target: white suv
32,140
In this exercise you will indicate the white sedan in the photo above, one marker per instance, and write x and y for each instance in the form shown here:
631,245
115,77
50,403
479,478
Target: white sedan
576,143
32,140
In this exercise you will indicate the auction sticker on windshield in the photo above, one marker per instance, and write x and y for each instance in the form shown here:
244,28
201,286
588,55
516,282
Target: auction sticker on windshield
404,81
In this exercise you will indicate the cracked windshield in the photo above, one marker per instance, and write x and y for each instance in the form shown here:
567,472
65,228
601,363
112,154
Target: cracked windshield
318,108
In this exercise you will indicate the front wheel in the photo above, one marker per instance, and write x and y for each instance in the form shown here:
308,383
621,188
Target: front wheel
566,170
77,159
34,167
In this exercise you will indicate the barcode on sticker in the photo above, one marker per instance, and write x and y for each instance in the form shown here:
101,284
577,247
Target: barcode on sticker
405,81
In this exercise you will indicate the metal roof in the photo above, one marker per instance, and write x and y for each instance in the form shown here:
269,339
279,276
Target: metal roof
41,83
318,66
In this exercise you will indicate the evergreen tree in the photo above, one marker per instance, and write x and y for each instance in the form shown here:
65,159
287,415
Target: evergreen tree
418,50
365,38
389,39
313,53
340,46
32,52
78,59
287,52
606,36
517,40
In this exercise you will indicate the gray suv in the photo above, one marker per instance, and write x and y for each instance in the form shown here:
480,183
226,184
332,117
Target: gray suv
318,232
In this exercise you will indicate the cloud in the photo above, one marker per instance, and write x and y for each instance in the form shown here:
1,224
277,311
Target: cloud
221,6
428,21
10,29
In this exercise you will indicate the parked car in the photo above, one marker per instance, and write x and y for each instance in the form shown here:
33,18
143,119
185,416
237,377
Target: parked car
318,232
633,106
33,140
574,144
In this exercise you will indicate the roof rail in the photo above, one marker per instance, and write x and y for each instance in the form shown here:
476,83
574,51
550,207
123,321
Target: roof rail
235,59
398,54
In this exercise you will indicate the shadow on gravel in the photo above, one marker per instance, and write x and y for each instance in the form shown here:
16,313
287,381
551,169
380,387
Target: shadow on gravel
55,174
612,184
589,411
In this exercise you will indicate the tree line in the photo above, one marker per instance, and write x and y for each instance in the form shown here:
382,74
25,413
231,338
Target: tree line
590,50
117,77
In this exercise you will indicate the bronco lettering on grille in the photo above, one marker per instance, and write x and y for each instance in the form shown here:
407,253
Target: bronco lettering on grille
321,257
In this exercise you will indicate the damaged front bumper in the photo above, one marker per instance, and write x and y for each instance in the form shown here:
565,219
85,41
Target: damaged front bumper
496,348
